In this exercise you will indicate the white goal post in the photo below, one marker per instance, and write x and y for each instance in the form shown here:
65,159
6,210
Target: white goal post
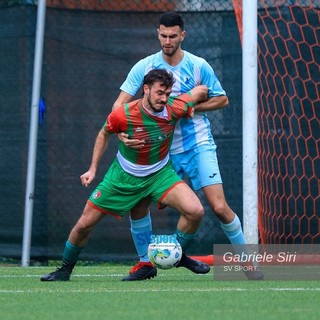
249,120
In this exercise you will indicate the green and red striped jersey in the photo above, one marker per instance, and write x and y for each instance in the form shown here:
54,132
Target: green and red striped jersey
156,130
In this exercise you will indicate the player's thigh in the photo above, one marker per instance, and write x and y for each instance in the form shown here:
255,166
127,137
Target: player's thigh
182,198
89,218
167,188
214,194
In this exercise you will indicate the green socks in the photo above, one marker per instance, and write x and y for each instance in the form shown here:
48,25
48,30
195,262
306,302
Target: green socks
71,253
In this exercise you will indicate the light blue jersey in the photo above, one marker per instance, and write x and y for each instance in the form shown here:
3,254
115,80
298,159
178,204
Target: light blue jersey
190,72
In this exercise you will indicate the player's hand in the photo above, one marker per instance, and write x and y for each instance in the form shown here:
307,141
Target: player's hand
131,143
87,178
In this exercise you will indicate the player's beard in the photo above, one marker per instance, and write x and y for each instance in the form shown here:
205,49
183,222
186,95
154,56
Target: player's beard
153,108
170,51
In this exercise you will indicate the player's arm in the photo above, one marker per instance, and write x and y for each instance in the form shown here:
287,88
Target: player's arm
199,94
132,83
183,105
213,103
100,146
128,89
217,96
123,98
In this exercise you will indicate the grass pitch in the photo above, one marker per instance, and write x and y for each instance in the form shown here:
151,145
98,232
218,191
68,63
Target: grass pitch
97,292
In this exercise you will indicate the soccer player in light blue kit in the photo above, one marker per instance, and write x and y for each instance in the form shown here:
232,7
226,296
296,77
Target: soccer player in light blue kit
193,151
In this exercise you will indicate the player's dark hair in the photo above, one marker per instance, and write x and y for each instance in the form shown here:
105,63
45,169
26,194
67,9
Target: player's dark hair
171,19
159,75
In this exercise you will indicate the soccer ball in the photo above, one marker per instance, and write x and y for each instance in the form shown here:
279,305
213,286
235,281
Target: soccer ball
164,251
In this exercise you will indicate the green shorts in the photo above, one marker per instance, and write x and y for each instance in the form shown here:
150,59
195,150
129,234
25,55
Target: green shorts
120,191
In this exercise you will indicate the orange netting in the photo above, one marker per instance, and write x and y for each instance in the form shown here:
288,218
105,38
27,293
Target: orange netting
237,5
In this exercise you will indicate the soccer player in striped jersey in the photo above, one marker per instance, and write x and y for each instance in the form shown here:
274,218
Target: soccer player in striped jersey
143,173
193,151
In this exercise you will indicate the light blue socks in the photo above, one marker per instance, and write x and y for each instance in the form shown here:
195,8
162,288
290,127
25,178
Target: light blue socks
141,231
233,231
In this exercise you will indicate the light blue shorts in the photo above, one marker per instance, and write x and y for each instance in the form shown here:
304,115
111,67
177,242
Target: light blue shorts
200,165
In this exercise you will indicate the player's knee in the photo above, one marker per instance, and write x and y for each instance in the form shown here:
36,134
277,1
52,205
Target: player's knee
222,210
197,212
82,227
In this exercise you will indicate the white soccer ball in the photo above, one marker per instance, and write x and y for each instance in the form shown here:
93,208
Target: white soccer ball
164,251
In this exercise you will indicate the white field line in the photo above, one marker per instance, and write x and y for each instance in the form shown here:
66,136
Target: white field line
106,290
106,275
73,276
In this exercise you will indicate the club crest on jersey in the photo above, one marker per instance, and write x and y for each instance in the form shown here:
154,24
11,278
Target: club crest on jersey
96,194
